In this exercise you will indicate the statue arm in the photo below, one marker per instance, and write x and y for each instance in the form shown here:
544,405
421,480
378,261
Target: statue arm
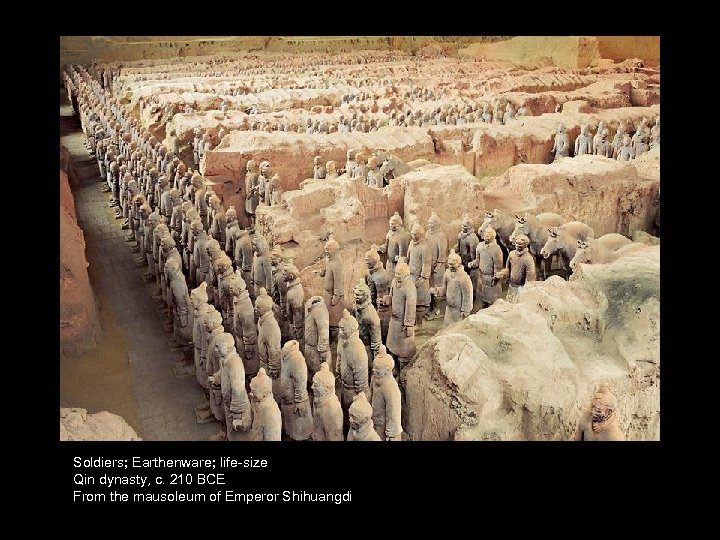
375,333
360,371
467,297
338,280
409,315
530,272
298,374
393,414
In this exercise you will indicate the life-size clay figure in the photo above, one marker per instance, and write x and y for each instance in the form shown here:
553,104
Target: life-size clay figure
160,232
617,141
179,303
319,171
266,417
219,347
352,361
596,138
368,321
268,339
561,146
197,146
626,152
167,251
244,327
420,262
273,191
201,308
252,188
236,403
386,399
378,280
200,260
396,243
262,267
334,284
519,268
327,412
457,289
438,243
361,169
278,290
360,420
584,142
600,423
244,254
213,328
218,221
317,333
655,134
189,214
231,230
294,303
509,113
350,163
200,200
295,403
488,261
225,276
214,253
264,181
374,177
641,142
467,246
602,145
149,238
401,333
330,171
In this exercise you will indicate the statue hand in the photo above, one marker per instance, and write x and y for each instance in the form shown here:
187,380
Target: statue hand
299,410
409,331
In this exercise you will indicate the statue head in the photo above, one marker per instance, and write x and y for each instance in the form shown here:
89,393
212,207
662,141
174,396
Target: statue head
237,285
199,295
213,320
196,226
454,261
316,160
372,257
361,292
251,166
225,344
323,381
231,214
172,267
276,255
402,271
360,412
197,181
167,243
263,302
417,232
260,386
383,363
521,243
214,201
259,244
331,247
223,265
264,166
395,222
348,325
603,405
434,222
290,272
467,224
626,140
212,247
488,235
561,128
373,162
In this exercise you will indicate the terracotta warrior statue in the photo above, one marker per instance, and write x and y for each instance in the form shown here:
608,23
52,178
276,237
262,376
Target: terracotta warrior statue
200,260
360,420
600,423
457,289
352,361
361,169
244,254
378,280
317,333
262,267
295,403
438,243
179,303
617,141
401,333
268,340
201,308
231,229
294,303
252,188
519,267
219,347
350,163
319,171
266,417
584,142
278,289
488,261
334,284
327,412
213,328
218,222
330,171
561,146
368,321
236,402
626,152
244,327
596,139
396,243
420,262
467,246
386,399
374,177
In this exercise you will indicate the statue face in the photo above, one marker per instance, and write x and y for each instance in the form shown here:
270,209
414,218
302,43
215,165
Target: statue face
520,246
488,236
360,296
453,265
416,235
345,332
318,389
466,227
600,412
380,372
356,422
400,277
